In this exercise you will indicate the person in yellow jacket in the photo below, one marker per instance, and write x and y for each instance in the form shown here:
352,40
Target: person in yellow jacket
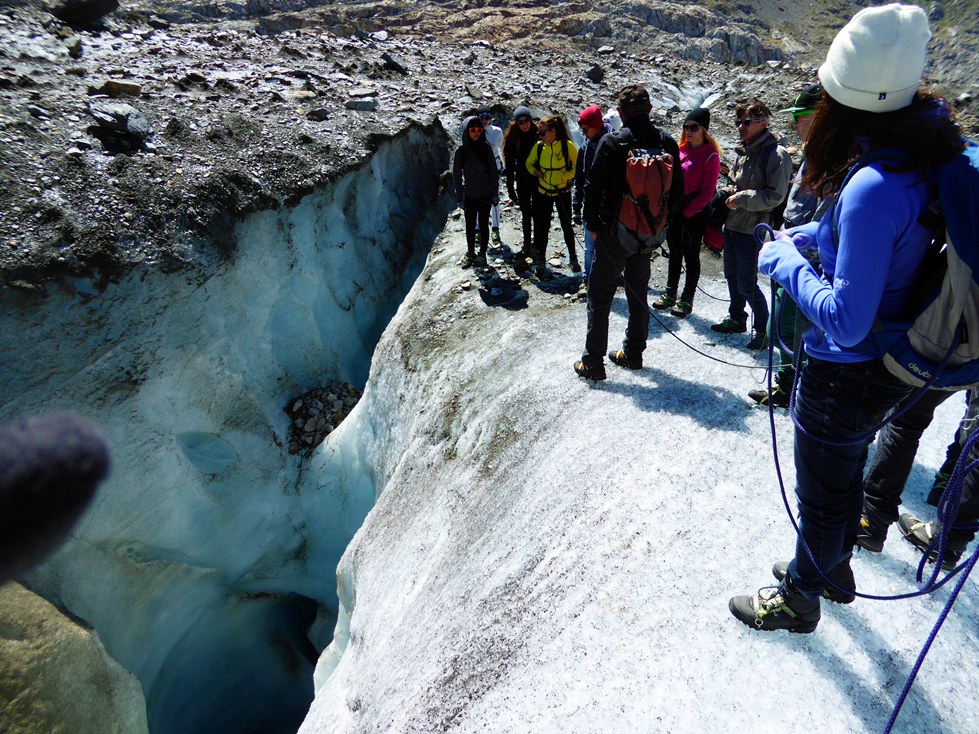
552,161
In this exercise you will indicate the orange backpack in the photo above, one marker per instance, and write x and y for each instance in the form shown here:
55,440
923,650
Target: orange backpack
643,212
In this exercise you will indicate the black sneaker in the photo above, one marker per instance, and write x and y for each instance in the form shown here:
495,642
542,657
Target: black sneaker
758,341
776,608
624,360
730,326
922,534
842,576
872,534
780,398
682,309
592,373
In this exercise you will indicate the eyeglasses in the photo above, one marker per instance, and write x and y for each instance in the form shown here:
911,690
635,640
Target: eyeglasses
691,127
523,120
476,129
543,131
745,123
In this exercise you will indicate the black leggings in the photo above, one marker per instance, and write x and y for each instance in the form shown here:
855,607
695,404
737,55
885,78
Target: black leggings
684,237
477,214
543,206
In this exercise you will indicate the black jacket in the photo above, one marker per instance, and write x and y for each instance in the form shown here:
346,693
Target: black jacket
474,170
516,151
604,181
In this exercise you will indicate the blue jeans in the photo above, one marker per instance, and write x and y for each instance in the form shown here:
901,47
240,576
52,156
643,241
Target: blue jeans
741,272
589,249
836,402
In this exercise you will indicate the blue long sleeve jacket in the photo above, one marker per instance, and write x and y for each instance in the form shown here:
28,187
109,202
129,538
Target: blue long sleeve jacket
869,272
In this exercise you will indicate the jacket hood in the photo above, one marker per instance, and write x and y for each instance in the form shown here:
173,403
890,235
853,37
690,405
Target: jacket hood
471,120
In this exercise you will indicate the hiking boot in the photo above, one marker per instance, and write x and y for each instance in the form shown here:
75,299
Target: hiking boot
776,608
480,260
624,360
872,534
780,398
664,301
495,235
682,309
575,266
758,341
730,326
583,288
922,534
842,576
467,260
592,373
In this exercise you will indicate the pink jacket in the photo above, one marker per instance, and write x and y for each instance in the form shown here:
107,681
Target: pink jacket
701,169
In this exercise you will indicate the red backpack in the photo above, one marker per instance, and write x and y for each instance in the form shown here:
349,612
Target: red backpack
643,212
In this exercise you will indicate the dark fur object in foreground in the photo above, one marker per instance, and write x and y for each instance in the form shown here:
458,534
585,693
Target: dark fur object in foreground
50,467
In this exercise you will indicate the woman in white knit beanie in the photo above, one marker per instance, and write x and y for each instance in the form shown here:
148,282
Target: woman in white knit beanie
874,118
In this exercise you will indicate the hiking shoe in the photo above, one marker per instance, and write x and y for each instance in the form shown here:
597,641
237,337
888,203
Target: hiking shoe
467,260
664,301
730,326
872,534
780,398
592,373
682,309
575,266
480,260
583,288
776,608
624,360
758,341
495,234
842,576
922,534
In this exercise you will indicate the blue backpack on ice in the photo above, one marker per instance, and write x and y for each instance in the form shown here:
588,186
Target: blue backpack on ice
938,344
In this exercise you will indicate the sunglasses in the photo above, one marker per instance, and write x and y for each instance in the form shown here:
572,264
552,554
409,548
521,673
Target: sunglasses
745,123
523,120
476,128
691,127
796,116
543,131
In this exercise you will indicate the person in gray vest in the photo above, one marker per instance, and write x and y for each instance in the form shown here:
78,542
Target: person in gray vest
761,176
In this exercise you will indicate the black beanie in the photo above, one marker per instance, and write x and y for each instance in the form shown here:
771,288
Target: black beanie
701,115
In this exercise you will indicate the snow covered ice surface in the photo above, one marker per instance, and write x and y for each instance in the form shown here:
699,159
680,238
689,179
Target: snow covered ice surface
552,555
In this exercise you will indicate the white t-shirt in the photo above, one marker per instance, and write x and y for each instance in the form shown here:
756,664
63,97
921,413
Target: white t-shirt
494,136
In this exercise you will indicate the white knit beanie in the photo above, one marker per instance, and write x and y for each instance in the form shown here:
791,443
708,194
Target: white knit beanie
876,61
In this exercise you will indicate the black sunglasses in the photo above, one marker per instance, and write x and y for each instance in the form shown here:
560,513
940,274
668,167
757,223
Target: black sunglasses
691,127
523,120
748,121
541,132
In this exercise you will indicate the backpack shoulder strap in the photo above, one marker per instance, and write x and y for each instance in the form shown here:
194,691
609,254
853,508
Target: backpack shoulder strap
564,152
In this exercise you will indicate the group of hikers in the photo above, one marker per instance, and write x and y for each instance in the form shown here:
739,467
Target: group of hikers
847,256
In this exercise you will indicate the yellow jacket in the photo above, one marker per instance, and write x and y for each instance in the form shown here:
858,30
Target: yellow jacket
548,158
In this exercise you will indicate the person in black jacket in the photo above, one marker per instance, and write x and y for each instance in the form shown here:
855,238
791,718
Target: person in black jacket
518,143
603,197
477,182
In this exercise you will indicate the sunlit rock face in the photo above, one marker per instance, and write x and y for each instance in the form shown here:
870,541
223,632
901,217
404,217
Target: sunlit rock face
211,549
57,676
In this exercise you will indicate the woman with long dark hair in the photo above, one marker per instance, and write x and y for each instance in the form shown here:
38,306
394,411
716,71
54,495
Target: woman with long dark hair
518,142
873,117
552,162
477,183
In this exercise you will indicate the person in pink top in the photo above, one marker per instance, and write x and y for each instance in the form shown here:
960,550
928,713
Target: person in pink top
700,157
